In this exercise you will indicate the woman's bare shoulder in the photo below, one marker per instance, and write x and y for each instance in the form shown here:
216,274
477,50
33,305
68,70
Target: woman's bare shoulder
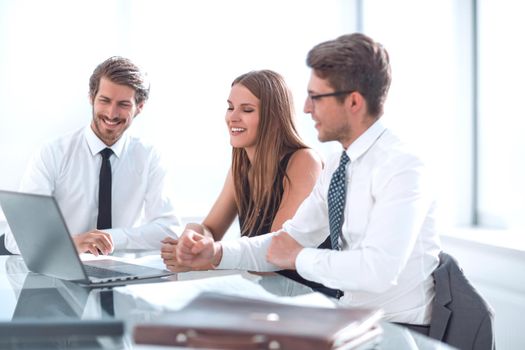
305,158
304,164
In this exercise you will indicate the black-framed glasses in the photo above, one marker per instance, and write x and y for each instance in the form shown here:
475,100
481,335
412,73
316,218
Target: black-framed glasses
335,93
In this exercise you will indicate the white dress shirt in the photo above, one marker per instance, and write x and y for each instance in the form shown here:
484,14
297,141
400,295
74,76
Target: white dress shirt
68,168
389,243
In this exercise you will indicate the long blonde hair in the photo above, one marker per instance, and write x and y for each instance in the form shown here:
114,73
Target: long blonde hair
276,137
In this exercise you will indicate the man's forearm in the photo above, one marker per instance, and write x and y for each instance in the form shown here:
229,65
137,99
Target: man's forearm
247,253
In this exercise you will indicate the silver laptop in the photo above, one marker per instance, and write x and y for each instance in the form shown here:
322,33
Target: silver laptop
47,247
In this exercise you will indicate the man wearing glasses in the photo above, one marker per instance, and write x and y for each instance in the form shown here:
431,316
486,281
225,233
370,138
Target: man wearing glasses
373,198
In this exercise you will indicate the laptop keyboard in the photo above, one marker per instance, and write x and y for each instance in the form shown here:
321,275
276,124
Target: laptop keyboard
98,272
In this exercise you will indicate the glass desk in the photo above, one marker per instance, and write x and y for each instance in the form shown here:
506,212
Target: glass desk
39,312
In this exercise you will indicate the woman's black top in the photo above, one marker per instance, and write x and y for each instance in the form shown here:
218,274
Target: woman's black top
264,225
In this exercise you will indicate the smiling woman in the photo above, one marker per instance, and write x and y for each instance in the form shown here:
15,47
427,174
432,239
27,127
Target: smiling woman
272,170
242,119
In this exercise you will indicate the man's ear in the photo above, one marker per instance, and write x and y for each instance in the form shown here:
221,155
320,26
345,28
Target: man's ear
91,99
355,102
139,107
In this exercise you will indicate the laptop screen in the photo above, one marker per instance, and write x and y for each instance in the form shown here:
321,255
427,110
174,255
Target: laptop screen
42,235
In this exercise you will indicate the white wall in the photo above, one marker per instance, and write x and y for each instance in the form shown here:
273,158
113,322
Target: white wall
430,100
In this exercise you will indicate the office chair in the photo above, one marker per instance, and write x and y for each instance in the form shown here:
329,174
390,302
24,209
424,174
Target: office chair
460,315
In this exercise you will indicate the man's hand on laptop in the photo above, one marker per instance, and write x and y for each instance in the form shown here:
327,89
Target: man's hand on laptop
95,242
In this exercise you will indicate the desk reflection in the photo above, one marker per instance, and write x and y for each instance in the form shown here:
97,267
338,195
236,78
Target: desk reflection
54,314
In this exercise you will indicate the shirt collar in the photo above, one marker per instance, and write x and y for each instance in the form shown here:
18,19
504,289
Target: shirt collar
365,141
96,145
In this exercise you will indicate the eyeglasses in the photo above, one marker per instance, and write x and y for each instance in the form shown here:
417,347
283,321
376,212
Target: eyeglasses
335,93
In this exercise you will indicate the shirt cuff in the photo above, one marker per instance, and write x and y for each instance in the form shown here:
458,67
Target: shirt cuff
305,263
120,240
231,255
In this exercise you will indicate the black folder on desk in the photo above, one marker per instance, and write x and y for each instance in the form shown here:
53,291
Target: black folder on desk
230,322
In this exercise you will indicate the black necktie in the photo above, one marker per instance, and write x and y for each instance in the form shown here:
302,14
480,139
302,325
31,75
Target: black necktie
104,191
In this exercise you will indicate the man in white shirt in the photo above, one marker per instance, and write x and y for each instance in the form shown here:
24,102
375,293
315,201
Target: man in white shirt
387,246
69,168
